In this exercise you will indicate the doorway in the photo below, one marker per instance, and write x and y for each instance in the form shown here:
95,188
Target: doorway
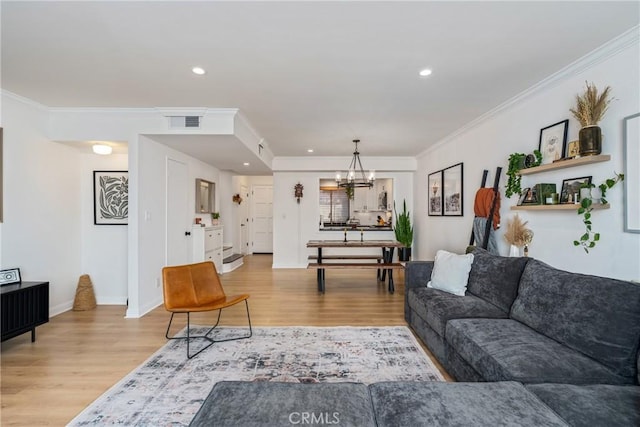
262,207
244,221
177,213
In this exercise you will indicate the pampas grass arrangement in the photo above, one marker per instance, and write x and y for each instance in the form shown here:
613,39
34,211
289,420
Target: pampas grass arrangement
517,233
590,107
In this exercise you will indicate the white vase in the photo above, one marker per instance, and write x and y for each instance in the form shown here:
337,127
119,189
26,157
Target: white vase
596,195
585,193
514,251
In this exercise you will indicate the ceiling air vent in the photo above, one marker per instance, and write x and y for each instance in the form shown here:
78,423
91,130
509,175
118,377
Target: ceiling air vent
184,122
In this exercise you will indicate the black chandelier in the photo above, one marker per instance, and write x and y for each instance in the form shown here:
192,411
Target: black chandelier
355,175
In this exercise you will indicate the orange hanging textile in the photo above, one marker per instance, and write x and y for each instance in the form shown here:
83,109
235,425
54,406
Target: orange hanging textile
483,203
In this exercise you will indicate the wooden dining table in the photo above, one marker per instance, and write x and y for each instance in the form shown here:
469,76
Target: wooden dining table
383,264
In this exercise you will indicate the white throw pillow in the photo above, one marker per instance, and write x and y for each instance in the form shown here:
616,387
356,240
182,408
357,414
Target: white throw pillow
451,272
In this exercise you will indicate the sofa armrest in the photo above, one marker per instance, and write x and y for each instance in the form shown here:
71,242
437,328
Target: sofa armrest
417,274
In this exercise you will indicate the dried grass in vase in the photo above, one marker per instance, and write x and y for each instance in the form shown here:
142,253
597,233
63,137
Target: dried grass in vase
517,233
590,107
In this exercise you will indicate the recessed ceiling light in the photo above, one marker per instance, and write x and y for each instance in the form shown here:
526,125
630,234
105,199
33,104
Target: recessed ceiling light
310,150
246,163
102,149
424,73
198,70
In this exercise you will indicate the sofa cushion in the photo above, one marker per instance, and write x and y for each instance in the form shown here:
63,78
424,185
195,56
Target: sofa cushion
495,278
237,403
438,307
451,272
507,350
597,316
458,404
594,405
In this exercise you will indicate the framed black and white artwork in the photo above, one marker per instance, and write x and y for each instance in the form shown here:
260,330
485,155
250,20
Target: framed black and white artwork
10,276
434,192
553,139
452,180
110,197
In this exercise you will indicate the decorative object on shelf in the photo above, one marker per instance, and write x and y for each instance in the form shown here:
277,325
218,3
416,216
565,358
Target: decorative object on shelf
589,238
525,193
544,191
434,192
589,111
533,160
237,198
215,218
452,190
553,140
518,235
10,276
355,176
573,149
298,192
570,192
403,231
631,139
110,197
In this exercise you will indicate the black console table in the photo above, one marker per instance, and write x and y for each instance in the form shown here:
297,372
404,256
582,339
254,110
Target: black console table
24,306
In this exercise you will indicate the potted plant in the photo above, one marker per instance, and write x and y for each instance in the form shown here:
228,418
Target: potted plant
518,161
589,110
215,218
403,231
589,238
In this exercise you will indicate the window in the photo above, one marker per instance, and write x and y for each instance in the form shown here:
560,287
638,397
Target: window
334,205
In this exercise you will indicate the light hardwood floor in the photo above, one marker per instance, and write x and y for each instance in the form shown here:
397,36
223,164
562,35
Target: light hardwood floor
77,356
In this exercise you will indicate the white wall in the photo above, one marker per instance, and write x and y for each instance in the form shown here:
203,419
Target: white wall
41,233
295,224
103,247
516,128
146,293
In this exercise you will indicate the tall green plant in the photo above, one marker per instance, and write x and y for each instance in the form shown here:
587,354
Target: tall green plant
403,229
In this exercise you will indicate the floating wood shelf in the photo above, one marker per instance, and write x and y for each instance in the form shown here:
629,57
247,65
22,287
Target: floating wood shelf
559,207
566,164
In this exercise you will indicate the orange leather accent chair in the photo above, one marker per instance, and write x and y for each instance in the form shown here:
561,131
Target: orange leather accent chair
193,288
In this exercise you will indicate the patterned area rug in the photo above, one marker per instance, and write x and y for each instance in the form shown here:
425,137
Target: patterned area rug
168,389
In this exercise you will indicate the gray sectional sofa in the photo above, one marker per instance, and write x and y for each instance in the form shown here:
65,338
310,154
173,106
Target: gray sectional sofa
573,339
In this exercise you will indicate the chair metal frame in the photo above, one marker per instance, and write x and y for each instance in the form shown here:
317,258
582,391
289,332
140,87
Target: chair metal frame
212,341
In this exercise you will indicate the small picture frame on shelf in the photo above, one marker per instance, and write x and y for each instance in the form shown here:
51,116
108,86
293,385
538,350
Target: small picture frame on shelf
529,196
553,141
523,195
571,189
10,276
573,150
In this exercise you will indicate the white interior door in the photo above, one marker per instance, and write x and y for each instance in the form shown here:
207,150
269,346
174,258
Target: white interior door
244,221
177,213
262,204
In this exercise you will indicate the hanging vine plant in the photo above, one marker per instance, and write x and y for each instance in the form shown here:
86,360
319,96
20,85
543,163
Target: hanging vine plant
517,162
589,239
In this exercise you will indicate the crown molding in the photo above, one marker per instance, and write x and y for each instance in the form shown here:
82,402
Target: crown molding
595,57
24,100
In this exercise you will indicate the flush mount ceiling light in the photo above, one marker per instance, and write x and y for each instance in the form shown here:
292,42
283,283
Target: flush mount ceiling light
424,73
310,150
355,175
102,149
246,163
198,70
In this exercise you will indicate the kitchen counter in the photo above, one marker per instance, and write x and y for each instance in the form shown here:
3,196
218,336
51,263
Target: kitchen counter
358,228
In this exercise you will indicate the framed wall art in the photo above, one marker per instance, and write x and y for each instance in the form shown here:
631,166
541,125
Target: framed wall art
553,140
10,276
452,180
434,192
631,141
110,197
571,189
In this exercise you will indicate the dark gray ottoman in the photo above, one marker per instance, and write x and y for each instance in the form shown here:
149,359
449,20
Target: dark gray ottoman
459,404
593,405
237,403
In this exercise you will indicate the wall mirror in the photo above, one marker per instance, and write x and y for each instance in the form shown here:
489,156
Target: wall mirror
205,196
